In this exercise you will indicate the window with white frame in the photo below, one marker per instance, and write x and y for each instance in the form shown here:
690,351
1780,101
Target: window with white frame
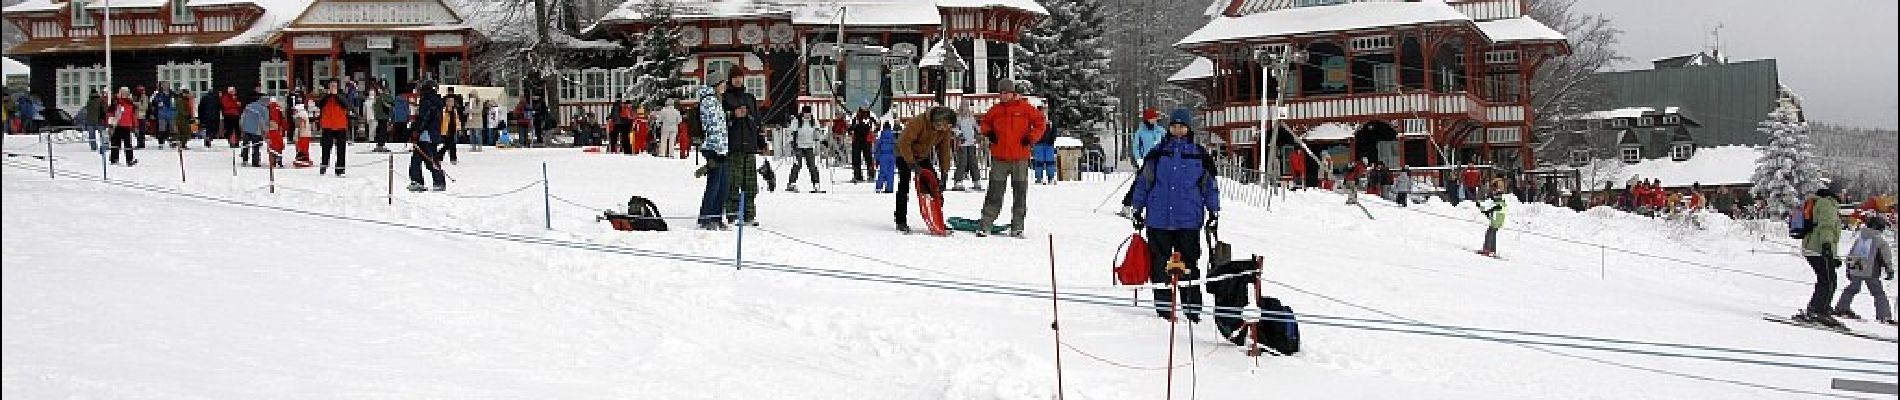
80,17
1385,78
594,83
1620,123
818,80
955,81
903,78
320,72
1579,156
1503,135
1632,154
755,84
1681,151
75,84
624,80
570,85
274,75
181,13
195,76
1671,120
449,72
1645,121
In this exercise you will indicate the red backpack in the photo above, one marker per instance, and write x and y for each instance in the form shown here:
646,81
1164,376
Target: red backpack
1133,269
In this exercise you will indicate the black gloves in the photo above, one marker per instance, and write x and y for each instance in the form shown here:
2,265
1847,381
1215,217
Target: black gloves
1213,220
1141,221
991,135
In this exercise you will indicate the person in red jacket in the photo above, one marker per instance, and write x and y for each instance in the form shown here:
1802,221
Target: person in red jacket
1472,182
333,120
641,132
124,117
1297,165
274,133
232,108
1011,126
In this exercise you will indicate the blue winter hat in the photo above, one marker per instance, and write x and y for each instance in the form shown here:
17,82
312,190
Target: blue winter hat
1181,116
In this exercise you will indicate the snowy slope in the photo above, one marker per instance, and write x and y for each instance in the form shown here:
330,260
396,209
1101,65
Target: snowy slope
113,292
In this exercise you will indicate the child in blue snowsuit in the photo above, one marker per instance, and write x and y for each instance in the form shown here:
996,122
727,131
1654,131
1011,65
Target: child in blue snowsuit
886,159
1042,158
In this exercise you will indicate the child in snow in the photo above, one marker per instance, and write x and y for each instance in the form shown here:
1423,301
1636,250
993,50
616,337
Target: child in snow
1496,214
886,159
1042,158
1866,260
274,134
1173,192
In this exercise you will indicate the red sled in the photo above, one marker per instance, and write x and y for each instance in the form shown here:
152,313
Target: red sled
930,201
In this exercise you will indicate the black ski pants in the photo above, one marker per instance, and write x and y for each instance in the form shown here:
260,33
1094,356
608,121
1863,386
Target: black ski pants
1163,243
1824,282
334,139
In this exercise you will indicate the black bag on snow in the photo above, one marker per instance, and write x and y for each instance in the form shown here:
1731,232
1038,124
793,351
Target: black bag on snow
641,215
1278,328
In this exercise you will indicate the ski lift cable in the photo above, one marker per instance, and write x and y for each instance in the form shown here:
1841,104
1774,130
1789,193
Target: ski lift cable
849,275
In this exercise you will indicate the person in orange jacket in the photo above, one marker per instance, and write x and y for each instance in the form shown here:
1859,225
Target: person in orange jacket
1011,126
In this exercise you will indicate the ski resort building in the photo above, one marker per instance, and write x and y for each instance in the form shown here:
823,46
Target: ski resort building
1413,83
789,53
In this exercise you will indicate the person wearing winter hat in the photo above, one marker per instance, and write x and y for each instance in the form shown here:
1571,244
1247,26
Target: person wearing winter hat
924,143
1011,126
1176,183
966,165
712,116
1867,259
1146,137
1819,246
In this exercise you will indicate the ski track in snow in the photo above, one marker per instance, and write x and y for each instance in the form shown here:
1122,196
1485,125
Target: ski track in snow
111,292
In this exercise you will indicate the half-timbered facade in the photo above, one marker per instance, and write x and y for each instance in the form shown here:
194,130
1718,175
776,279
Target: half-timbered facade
1392,81
391,41
787,52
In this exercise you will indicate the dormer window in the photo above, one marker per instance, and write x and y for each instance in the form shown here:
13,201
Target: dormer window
1645,121
80,17
1671,120
1620,123
1632,154
1579,157
181,13
1681,151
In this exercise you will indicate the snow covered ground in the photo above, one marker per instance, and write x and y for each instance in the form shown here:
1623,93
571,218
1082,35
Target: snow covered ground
114,292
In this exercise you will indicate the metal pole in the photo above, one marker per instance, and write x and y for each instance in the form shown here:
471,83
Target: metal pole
49,153
1055,314
390,196
547,195
738,257
181,163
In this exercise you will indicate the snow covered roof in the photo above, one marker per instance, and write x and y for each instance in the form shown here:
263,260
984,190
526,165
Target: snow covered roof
870,13
1329,131
1025,5
1724,165
1518,29
127,4
33,6
1201,67
822,12
1215,7
9,66
277,15
1333,18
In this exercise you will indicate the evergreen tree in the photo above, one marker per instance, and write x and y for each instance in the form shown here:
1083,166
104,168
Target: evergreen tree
1786,172
1066,62
660,56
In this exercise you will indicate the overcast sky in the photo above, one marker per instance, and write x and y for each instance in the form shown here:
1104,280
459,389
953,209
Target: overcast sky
1839,55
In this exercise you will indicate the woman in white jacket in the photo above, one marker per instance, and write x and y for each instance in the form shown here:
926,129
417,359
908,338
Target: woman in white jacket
806,137
497,121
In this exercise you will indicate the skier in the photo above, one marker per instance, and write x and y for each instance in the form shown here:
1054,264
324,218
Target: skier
1043,156
1819,246
1176,182
862,126
124,119
966,165
924,142
254,121
1146,137
427,132
1496,214
712,117
806,140
333,118
1865,262
1010,125
886,158
745,138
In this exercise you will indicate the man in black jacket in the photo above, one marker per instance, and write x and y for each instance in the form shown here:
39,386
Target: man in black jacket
861,126
428,132
209,109
745,143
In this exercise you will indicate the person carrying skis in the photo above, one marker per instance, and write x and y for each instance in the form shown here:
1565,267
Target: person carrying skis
1867,259
1010,125
1175,196
1819,245
886,158
806,138
924,142
966,165
1495,213
427,134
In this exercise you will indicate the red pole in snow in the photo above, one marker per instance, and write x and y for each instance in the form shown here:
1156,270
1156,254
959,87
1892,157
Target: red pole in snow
1174,315
273,170
1055,314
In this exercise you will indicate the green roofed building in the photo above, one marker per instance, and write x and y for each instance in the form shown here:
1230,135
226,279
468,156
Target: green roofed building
1726,98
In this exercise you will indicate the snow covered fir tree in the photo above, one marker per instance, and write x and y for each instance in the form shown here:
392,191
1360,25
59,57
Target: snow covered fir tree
1786,172
1067,64
660,56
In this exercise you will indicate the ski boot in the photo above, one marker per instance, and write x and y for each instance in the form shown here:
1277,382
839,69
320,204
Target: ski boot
791,188
957,187
417,187
1016,232
441,187
1846,313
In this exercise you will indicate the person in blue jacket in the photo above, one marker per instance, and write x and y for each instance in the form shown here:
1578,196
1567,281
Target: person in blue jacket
1175,196
886,159
1145,138
1042,157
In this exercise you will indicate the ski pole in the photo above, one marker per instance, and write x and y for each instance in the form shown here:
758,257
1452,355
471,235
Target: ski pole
547,207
